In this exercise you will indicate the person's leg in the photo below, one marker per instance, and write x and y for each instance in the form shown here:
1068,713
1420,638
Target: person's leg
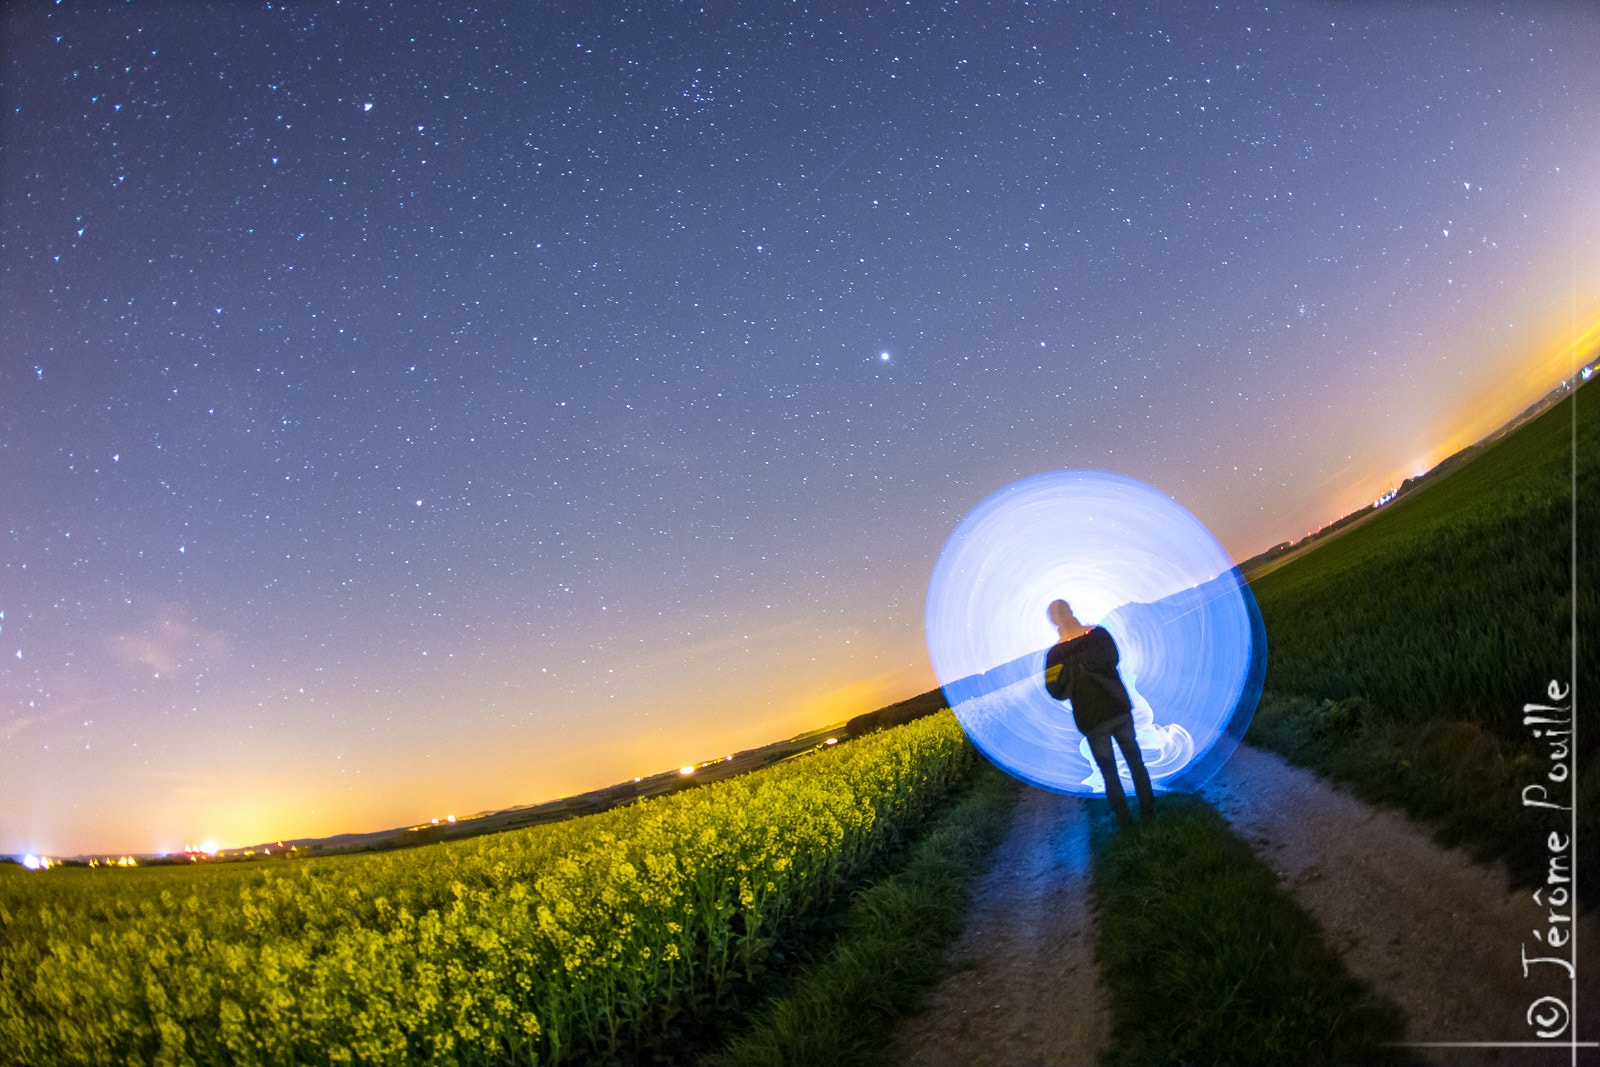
1100,745
1128,740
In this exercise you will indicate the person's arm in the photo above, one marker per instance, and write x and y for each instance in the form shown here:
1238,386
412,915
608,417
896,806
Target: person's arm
1057,680
1052,682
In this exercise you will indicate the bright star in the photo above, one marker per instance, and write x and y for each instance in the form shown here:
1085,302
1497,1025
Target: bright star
884,356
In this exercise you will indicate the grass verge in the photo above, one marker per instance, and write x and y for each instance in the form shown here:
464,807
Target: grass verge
1402,653
1457,778
891,947
1206,959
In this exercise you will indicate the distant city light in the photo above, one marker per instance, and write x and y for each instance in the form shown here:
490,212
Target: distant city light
449,818
685,770
35,863
831,741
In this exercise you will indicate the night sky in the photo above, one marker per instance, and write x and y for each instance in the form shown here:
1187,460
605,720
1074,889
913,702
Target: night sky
411,410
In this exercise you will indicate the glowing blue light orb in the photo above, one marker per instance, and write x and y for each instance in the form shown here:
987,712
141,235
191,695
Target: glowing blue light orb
1126,557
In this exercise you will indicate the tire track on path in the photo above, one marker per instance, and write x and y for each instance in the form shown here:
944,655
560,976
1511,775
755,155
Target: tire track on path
1023,990
1433,931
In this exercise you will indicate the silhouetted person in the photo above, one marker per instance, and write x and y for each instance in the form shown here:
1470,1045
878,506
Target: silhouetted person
1085,672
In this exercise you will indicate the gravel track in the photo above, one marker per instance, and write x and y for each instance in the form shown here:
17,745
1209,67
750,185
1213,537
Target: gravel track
1428,928
1023,990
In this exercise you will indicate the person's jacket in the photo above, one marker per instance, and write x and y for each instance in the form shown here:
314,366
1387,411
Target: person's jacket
1084,671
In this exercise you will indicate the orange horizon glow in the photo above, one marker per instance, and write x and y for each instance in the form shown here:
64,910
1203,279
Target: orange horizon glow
553,767
1488,410
312,809
1542,371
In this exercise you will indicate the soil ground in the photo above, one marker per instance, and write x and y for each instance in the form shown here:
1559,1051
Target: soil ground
1022,990
1431,930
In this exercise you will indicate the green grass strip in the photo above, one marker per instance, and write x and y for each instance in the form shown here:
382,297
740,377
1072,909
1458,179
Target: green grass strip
1457,778
1206,959
891,948
1401,654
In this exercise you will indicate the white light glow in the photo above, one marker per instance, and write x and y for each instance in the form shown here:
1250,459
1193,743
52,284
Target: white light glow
1126,557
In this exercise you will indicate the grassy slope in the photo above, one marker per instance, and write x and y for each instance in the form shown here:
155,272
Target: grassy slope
1401,654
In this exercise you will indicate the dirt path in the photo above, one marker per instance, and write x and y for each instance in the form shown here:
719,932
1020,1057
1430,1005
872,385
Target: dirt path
1436,933
1022,991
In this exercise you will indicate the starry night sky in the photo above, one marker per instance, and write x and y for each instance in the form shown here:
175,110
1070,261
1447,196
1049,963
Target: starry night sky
421,408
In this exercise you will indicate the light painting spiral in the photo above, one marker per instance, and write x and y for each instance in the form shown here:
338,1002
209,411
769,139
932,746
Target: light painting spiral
1126,557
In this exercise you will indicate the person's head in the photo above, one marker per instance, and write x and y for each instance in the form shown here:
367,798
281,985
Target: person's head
1064,621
